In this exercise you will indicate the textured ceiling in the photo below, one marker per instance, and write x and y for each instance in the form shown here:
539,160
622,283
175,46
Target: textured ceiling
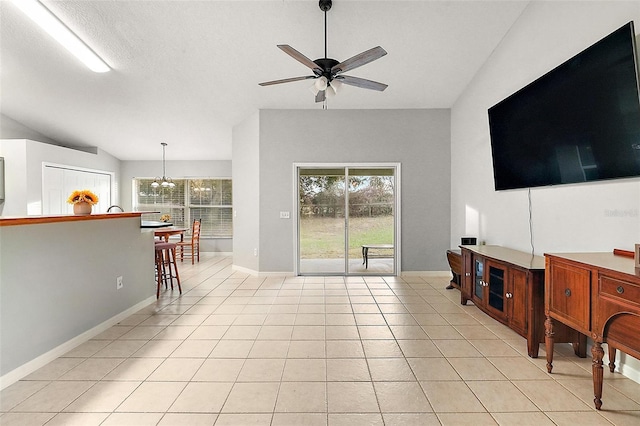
185,72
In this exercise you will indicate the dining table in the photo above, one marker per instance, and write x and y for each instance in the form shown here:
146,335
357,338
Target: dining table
154,224
165,233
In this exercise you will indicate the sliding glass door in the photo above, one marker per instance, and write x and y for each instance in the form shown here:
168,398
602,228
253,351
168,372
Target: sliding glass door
347,220
321,218
371,221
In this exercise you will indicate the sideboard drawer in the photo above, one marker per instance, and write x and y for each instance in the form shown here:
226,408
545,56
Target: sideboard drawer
569,298
620,290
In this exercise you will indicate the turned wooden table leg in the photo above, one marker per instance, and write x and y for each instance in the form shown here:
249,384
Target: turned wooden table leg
597,353
548,342
612,358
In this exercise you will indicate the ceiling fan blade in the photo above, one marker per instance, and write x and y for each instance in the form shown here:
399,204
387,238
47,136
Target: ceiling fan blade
361,82
359,60
320,97
286,80
299,57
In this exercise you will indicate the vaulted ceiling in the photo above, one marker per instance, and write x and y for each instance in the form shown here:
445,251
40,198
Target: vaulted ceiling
185,72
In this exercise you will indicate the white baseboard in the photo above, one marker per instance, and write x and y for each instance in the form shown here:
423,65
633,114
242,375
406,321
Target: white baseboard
438,274
630,372
39,362
217,253
434,274
625,365
261,274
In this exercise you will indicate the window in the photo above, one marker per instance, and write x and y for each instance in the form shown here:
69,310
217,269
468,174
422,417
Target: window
200,198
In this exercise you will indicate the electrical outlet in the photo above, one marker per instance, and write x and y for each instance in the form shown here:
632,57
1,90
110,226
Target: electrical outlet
284,215
255,251
119,283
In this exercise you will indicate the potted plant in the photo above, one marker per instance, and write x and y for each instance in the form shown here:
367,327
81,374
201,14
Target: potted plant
82,201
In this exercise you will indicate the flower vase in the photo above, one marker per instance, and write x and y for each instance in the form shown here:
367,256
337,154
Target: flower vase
82,208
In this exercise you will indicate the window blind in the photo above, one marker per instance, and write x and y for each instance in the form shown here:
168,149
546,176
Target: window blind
209,200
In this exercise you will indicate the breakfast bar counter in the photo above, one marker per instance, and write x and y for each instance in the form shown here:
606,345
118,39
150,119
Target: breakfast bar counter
59,279
34,220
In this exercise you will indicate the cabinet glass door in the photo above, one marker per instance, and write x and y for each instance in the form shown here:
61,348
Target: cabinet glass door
478,277
496,288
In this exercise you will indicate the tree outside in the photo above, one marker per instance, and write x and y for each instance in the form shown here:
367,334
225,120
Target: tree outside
322,224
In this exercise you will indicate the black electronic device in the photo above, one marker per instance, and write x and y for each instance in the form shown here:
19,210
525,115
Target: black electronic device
579,122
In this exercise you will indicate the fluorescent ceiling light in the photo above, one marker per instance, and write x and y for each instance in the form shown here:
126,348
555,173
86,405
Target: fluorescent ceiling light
59,31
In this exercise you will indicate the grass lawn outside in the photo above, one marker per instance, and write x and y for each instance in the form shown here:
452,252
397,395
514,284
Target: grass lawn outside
323,237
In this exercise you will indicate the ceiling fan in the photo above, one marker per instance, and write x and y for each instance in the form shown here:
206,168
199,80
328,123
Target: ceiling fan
328,72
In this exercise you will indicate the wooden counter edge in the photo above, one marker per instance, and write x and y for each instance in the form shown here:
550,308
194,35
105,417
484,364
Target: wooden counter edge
34,220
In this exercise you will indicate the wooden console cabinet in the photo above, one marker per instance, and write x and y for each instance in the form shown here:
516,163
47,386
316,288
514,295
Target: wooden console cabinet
597,294
508,285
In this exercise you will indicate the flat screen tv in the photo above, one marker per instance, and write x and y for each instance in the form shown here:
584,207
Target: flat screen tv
579,122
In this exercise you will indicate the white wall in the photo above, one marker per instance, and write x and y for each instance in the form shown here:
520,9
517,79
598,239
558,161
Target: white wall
246,193
23,169
582,217
418,139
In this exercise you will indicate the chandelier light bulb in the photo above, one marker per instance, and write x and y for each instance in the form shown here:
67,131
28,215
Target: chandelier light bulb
164,182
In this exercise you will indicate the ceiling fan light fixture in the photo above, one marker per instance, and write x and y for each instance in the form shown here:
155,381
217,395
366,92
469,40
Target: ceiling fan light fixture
326,70
321,83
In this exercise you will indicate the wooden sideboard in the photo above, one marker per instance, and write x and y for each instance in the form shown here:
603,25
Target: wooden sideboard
597,294
508,285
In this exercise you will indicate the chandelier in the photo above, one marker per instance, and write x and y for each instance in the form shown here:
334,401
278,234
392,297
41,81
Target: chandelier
165,182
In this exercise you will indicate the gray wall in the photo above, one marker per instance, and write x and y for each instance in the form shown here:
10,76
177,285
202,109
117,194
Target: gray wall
418,139
246,194
54,288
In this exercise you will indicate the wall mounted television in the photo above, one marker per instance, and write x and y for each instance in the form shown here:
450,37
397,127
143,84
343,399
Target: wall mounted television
579,122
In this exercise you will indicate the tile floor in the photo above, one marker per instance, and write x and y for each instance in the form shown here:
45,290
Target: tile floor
242,350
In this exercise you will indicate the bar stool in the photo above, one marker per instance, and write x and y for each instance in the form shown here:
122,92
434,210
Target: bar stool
166,266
